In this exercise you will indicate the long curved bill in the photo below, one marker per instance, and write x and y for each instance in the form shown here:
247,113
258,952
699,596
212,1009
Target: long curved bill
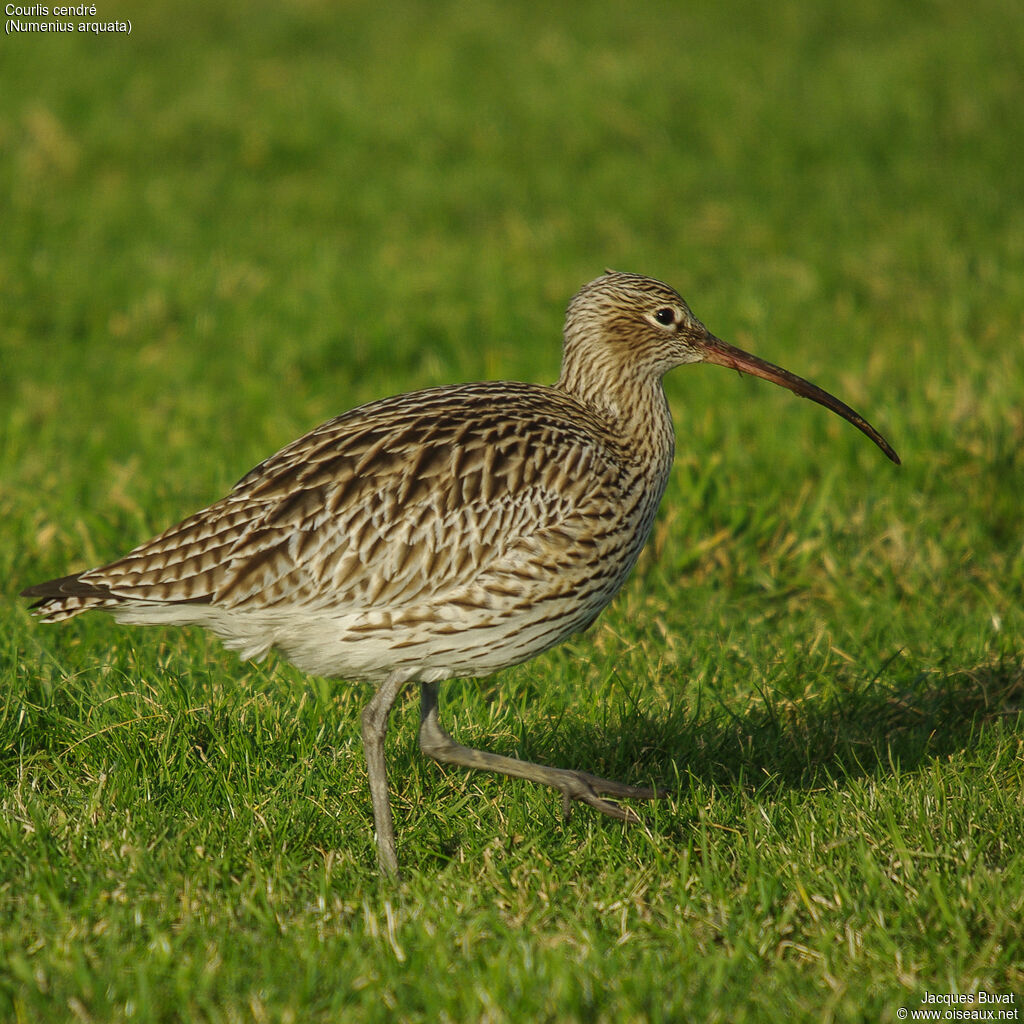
714,350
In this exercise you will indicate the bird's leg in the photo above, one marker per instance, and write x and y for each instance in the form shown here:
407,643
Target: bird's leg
436,743
375,726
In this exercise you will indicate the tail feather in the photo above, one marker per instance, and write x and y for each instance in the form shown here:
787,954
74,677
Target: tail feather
66,586
62,598
67,596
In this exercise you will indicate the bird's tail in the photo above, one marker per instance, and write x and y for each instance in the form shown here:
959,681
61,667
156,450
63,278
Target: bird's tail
68,596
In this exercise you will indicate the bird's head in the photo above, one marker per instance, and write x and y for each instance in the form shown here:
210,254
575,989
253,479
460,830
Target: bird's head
626,329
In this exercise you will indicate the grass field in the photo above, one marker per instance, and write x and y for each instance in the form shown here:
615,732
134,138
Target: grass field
241,219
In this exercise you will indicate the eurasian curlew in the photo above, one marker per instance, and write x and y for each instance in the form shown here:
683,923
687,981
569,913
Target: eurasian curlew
444,533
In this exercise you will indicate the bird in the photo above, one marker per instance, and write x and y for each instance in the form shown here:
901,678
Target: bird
443,533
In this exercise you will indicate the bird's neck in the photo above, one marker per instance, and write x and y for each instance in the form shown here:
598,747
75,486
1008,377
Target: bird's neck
634,412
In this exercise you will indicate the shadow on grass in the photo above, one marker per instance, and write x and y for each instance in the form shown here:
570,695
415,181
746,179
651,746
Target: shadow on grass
777,743
768,747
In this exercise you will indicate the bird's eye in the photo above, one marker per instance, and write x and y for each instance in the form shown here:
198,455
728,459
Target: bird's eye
665,316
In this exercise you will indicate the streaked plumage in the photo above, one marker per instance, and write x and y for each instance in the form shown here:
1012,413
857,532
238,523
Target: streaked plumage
443,533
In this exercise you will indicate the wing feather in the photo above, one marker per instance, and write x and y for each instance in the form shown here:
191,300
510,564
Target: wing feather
427,497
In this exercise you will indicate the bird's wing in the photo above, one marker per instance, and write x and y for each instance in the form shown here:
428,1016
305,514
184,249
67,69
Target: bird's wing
396,503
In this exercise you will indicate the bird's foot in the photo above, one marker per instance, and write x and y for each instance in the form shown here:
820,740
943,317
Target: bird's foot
587,788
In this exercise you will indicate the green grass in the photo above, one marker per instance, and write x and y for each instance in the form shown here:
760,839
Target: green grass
242,219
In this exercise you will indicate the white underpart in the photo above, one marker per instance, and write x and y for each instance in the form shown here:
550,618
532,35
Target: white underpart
366,645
